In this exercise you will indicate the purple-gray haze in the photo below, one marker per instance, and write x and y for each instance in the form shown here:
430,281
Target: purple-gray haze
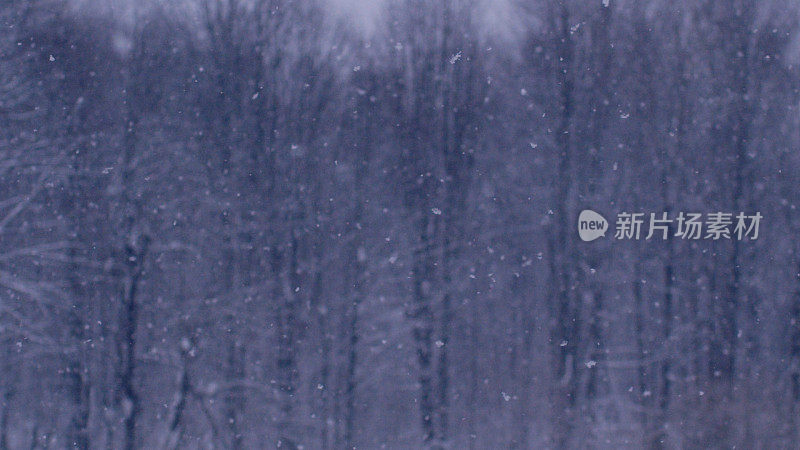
344,224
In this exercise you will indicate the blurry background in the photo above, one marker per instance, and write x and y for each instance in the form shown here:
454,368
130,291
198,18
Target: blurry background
259,223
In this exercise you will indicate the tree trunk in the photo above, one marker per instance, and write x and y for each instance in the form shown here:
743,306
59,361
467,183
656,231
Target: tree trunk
567,322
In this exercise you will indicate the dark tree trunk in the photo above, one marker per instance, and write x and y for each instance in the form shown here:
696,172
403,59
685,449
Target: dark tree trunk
565,335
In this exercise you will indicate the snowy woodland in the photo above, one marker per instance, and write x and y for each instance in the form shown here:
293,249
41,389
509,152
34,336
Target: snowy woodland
234,224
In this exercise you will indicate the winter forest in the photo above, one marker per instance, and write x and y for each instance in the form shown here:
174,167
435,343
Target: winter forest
319,224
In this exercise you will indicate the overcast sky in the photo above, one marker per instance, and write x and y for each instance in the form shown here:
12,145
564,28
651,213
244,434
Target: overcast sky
498,16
